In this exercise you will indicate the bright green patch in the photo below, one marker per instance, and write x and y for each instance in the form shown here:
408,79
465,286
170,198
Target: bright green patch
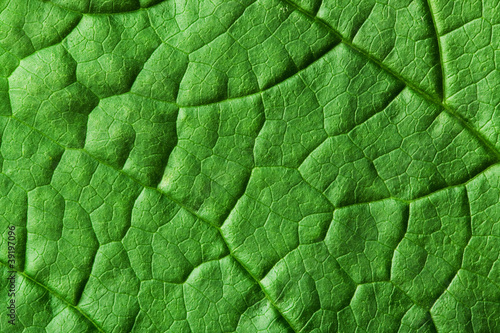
250,165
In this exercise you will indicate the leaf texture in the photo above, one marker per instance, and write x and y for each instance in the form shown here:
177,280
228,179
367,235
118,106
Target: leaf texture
251,165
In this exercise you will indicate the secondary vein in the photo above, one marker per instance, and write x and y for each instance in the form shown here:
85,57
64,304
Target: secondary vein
423,94
55,294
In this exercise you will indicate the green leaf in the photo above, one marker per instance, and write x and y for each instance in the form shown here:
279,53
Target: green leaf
250,166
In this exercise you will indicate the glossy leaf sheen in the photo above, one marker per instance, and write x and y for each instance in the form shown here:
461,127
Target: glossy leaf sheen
251,166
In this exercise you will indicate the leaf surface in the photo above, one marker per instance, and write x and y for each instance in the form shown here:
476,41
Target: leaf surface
251,166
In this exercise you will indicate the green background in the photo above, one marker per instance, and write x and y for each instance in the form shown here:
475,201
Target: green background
251,166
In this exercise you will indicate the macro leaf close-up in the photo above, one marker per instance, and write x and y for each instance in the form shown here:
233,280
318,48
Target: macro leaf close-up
249,166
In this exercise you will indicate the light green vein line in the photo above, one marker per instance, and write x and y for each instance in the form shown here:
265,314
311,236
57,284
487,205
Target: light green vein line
189,210
55,294
425,95
438,40
101,14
